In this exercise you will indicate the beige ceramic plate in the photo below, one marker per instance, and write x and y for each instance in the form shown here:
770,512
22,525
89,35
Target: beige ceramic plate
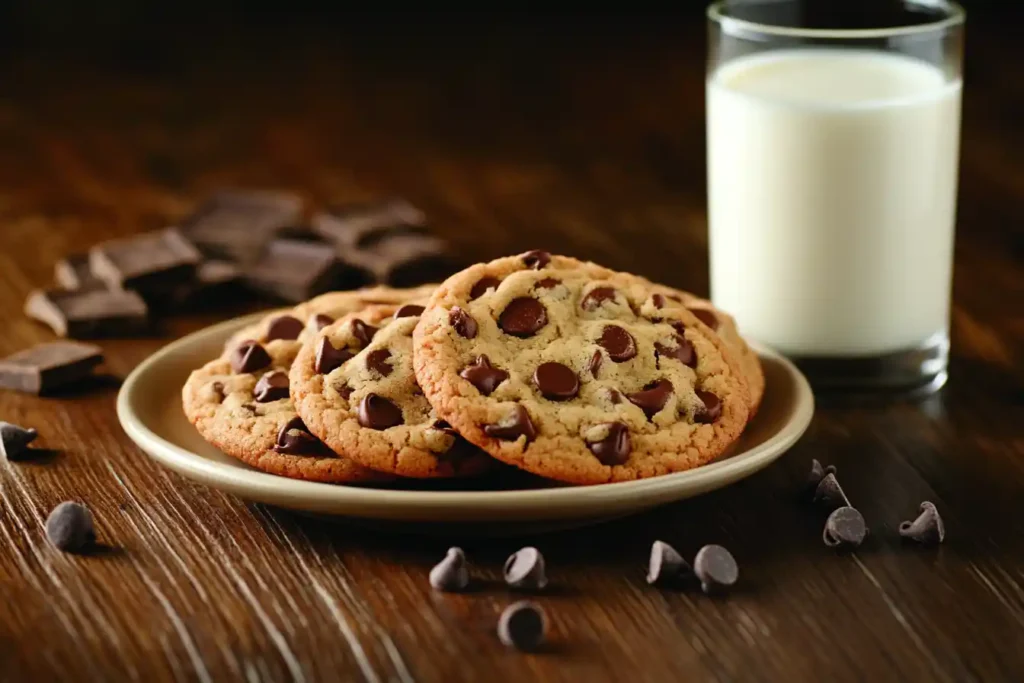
149,407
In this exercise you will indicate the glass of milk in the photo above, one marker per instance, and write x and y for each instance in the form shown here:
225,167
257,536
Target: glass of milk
833,139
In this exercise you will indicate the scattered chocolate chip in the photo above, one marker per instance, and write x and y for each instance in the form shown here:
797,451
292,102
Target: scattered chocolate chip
329,358
523,625
295,439
362,332
705,316
595,297
536,259
817,473
462,322
14,440
829,493
712,409
320,321
249,356
45,367
666,565
523,317
609,442
89,313
377,412
716,569
927,529
556,381
284,327
653,397
683,351
595,363
70,527
409,311
547,283
513,426
272,386
482,375
154,263
524,569
845,528
619,343
450,574
482,285
377,360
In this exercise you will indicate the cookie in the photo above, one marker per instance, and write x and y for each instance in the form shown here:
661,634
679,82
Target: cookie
241,405
354,387
571,371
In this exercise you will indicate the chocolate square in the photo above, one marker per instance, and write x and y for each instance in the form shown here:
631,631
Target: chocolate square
153,264
238,225
45,367
89,313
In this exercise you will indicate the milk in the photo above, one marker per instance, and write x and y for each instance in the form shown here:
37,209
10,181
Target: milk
832,192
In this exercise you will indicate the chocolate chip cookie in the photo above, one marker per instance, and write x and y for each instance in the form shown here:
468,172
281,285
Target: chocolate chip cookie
354,387
572,371
241,405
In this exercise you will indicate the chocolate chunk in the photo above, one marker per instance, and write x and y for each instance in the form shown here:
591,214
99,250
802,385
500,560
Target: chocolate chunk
74,272
595,297
829,493
524,569
14,440
363,333
46,367
817,473
619,343
712,409
237,225
344,390
716,569
514,425
653,397
927,529
409,311
845,528
666,565
89,313
377,412
482,375
294,438
273,386
450,574
377,360
610,442
547,283
329,358
153,264
614,396
362,226
595,363
320,321
462,322
658,300
296,270
249,356
523,625
678,327
705,316
536,259
218,390
523,317
556,381
70,527
482,285
683,351
284,327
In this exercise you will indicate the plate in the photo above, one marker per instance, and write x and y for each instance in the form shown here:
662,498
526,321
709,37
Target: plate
149,408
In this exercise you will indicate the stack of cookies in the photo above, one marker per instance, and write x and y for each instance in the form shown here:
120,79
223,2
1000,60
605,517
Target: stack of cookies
562,368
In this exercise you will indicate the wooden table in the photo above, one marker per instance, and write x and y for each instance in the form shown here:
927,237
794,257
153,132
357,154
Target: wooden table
586,139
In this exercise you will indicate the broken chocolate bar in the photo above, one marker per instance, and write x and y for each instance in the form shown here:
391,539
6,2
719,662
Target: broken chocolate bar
45,367
153,264
238,225
363,225
73,272
296,270
88,313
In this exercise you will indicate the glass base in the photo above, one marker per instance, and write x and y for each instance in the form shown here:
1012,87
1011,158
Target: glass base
919,371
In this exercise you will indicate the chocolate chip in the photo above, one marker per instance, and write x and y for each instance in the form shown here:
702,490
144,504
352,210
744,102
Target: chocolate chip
609,442
547,283
344,390
815,476
595,297
653,397
666,565
829,493
712,409
362,332
595,363
249,356
927,529
272,386
295,439
683,351
377,360
523,625
619,343
329,358
556,381
409,311
614,396
523,317
377,412
320,321
524,569
14,440
284,327
658,300
536,259
482,285
482,375
70,527
705,316
450,574
716,569
513,426
462,322
218,390
845,527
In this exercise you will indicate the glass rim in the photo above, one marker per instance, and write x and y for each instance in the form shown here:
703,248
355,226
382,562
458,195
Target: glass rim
733,26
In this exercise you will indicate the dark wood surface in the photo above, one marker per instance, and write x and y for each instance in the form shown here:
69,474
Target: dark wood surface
582,139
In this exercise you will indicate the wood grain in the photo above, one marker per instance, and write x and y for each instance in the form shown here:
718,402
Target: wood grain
586,139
